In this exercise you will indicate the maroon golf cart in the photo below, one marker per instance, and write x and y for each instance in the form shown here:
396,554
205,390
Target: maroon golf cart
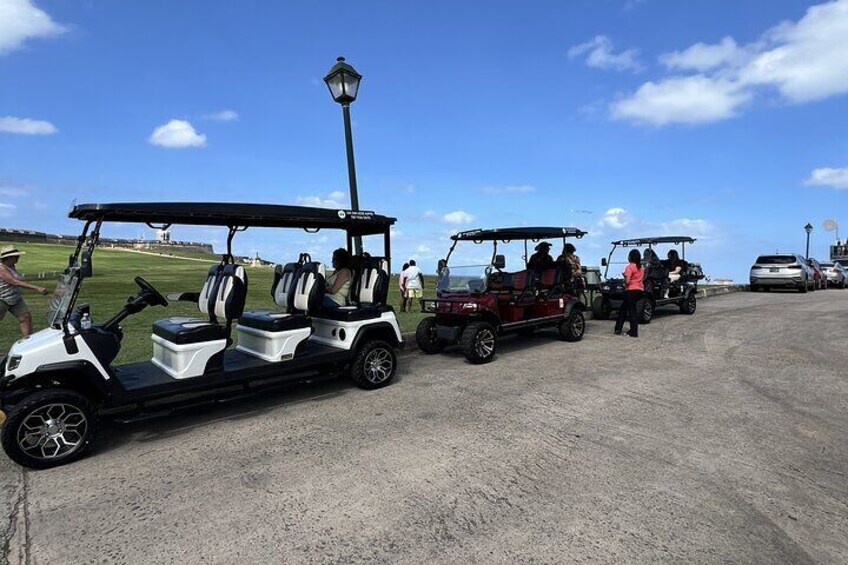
477,304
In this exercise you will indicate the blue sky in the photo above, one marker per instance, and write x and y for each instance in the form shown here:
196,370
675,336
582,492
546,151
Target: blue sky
721,120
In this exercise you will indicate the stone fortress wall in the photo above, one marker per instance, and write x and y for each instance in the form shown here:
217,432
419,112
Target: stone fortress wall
161,244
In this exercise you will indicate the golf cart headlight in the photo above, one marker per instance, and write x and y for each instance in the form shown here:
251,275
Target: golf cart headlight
470,307
605,287
13,363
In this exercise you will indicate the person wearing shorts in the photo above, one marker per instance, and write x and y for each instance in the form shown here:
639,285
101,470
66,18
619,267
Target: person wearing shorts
414,284
11,285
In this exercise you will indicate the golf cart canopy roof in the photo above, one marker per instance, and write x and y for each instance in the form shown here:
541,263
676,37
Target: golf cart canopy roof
508,234
675,239
235,215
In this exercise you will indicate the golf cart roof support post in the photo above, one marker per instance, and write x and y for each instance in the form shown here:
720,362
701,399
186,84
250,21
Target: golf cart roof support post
450,251
93,238
233,230
683,249
526,257
494,251
609,259
387,249
80,242
349,242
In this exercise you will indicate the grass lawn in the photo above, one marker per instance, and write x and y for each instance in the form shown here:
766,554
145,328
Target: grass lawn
112,283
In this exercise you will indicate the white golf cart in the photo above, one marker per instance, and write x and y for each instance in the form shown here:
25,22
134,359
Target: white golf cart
55,383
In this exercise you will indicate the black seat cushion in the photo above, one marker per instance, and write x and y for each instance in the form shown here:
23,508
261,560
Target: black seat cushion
273,321
188,330
354,313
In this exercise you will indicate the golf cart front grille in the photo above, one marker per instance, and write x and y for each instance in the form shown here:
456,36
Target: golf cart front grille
445,306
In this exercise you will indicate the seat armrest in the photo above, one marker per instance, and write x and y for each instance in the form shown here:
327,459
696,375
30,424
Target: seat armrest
183,296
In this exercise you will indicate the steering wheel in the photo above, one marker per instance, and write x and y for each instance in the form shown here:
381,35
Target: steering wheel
155,297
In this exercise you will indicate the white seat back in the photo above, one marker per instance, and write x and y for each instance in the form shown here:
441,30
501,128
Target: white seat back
231,294
309,288
208,289
284,279
372,284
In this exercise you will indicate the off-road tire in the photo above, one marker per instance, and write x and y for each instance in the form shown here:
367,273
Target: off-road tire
689,304
573,327
645,310
479,342
426,338
76,415
601,308
375,365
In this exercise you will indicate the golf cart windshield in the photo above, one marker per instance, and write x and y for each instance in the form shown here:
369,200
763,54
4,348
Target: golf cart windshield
62,298
464,279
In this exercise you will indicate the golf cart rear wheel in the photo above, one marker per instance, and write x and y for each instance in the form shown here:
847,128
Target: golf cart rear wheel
601,308
49,428
375,365
573,327
479,342
426,337
645,310
689,304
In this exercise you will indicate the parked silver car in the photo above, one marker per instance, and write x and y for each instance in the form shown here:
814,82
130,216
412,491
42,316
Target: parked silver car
835,273
781,270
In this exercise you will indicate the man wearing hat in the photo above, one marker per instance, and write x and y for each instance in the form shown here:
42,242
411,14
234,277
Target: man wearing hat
542,259
11,283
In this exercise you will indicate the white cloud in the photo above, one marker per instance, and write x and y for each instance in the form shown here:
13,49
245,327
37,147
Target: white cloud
703,57
802,61
177,134
689,100
827,176
21,20
7,209
13,191
223,116
335,199
515,189
601,55
615,218
458,217
10,124
807,60
423,249
693,227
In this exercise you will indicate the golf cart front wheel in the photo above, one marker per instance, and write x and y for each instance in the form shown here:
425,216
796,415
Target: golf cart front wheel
573,327
427,338
375,365
601,308
688,304
645,310
49,428
479,342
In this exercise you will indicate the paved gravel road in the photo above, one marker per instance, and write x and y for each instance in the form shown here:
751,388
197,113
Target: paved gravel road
716,438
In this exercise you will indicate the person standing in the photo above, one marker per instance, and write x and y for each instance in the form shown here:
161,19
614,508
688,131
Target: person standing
634,286
11,284
414,280
402,284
